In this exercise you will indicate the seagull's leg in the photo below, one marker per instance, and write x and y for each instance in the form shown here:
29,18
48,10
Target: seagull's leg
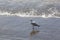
33,28
38,28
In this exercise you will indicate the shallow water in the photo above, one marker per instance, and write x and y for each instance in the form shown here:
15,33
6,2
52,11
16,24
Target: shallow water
19,28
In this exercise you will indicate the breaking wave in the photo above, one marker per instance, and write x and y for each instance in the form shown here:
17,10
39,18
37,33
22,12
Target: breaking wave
30,8
28,15
46,13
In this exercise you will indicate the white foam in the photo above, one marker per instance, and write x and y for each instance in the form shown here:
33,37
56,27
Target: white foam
24,15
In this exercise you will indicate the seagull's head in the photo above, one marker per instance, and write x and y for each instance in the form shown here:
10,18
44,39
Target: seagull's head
32,21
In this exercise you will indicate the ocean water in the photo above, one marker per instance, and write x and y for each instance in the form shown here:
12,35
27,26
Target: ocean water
47,8
19,28
15,16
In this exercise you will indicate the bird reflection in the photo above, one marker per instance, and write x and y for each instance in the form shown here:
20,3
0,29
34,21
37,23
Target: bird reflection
33,32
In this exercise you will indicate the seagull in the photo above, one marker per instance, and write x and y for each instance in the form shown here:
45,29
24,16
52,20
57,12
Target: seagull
33,23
